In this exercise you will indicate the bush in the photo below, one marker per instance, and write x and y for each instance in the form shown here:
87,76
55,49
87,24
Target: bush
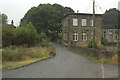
25,36
8,36
90,44
20,36
22,53
104,42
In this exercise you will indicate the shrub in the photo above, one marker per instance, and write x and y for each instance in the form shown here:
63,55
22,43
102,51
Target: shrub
104,41
8,36
25,36
23,53
90,44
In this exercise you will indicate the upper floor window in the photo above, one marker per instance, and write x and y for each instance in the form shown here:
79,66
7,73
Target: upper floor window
84,22
75,36
84,36
110,32
75,22
91,22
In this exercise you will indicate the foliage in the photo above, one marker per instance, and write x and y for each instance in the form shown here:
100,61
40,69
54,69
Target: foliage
21,36
8,36
22,53
46,18
104,41
26,36
4,18
110,18
90,44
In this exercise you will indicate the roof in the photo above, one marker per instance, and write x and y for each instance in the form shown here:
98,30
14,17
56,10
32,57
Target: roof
10,25
81,14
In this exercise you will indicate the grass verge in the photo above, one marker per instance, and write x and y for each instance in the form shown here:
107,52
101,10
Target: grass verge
17,57
103,60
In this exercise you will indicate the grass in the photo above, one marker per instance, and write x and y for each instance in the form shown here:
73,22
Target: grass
65,44
16,57
18,64
103,60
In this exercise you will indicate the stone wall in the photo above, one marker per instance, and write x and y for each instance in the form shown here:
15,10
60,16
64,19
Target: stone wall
97,53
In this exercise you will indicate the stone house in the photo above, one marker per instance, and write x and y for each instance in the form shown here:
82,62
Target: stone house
112,35
77,28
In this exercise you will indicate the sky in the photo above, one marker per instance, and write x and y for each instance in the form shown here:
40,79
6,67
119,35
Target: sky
16,9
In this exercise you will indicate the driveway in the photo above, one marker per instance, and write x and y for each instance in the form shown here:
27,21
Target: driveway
65,64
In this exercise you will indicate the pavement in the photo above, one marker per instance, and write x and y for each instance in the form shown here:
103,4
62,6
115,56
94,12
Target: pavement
65,64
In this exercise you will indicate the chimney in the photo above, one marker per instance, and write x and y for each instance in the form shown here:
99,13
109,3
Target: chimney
77,11
12,22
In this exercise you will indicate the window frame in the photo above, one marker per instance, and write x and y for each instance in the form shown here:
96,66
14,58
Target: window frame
75,36
75,25
83,22
84,36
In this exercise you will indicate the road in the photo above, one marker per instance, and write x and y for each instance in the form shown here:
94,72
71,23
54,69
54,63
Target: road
65,64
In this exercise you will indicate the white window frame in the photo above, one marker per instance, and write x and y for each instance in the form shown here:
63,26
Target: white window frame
84,36
75,36
84,22
75,21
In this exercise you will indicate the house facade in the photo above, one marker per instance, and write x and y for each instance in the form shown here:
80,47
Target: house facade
77,28
112,35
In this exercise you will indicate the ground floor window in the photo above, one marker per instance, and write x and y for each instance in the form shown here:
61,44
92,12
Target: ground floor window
104,34
84,36
116,37
110,37
75,36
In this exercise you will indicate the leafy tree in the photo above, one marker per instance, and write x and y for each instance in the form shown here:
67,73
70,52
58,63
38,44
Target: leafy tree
110,18
4,18
47,17
8,36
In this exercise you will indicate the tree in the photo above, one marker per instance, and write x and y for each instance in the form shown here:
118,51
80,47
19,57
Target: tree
110,18
47,17
4,18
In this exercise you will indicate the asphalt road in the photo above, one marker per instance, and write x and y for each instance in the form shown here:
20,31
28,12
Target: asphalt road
65,64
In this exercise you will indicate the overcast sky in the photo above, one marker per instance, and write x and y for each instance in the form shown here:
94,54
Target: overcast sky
16,9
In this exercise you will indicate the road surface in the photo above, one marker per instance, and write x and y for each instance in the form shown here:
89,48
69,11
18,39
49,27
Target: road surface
65,64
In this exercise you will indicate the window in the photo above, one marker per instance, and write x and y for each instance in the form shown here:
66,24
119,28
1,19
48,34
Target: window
84,22
75,36
84,36
116,37
91,23
110,36
75,22
104,34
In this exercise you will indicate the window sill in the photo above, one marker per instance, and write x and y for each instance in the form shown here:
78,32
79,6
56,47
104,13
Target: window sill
84,40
